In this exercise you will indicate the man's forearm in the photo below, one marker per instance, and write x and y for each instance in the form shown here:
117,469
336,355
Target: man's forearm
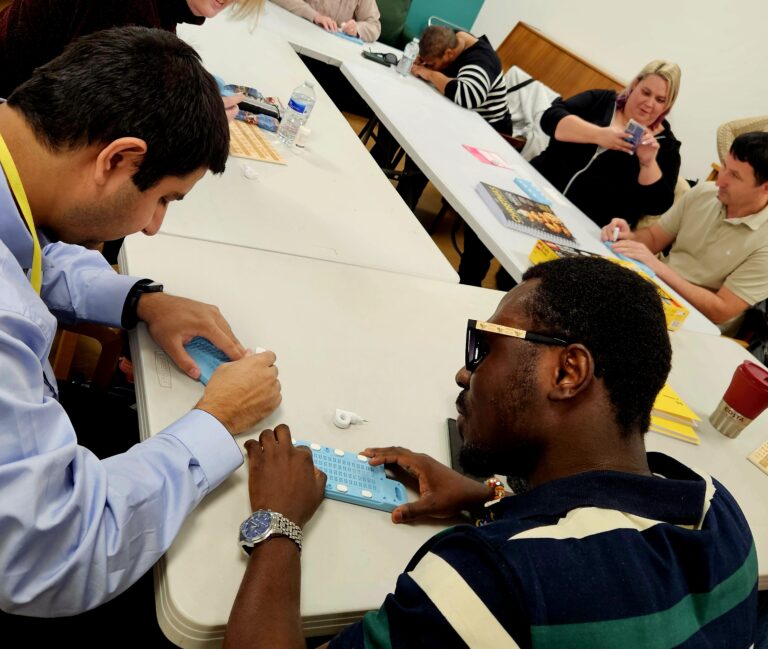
266,609
703,299
646,237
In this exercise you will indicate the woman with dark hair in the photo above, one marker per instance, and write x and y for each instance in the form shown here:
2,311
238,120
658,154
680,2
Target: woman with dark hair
33,32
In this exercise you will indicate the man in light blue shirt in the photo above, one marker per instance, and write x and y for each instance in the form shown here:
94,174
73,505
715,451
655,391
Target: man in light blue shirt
97,143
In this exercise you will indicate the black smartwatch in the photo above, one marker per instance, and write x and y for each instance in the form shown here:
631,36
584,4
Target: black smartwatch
130,317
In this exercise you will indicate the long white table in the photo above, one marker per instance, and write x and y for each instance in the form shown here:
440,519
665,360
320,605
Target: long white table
702,366
432,130
384,345
313,41
331,202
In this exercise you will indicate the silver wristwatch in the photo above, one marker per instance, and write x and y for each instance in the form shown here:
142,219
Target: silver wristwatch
264,524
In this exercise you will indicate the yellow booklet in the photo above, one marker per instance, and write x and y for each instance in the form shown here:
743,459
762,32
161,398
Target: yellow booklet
674,312
669,405
675,429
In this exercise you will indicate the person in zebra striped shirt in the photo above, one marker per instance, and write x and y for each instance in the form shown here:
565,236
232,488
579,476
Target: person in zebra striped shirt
467,70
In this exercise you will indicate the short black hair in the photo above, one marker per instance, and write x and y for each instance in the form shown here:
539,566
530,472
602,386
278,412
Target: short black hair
753,148
618,316
130,82
434,40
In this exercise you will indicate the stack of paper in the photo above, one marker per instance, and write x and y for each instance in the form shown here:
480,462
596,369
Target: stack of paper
673,417
759,457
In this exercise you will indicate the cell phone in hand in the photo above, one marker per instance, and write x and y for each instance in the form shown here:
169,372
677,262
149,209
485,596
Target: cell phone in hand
634,132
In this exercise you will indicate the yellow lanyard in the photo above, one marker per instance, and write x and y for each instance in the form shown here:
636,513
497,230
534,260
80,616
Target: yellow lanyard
6,161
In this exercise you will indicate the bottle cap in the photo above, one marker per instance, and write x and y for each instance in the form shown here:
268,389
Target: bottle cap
301,136
249,171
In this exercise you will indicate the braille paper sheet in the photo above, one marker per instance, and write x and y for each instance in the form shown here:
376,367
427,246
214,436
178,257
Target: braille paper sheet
759,457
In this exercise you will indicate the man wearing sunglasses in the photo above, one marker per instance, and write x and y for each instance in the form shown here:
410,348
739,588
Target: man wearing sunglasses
606,546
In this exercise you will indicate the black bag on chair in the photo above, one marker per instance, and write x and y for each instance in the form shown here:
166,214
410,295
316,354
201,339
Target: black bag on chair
393,15
754,331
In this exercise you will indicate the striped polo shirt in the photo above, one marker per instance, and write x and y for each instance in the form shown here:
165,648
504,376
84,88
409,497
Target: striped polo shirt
478,83
597,560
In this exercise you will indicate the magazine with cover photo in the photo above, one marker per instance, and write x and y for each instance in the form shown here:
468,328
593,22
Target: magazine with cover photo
525,215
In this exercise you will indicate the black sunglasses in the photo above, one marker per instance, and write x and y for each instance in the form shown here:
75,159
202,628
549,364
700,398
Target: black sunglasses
385,58
477,347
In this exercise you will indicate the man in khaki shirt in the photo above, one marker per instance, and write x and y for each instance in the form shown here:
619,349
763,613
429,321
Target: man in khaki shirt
354,17
719,236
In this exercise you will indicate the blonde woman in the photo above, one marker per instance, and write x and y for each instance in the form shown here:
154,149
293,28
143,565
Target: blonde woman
590,160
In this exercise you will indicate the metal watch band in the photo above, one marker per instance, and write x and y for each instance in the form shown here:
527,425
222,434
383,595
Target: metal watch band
284,527
255,530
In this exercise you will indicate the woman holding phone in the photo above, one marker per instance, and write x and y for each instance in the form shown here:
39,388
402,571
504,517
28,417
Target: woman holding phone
591,159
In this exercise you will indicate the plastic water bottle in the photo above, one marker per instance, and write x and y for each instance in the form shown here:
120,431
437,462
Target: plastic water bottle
409,56
297,113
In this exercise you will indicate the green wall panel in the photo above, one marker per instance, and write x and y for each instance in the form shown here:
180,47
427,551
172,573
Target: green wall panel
459,12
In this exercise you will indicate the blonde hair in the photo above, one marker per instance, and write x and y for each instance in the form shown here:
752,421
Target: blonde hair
247,8
668,71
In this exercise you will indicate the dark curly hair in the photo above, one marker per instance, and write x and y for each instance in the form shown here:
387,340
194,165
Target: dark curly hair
130,82
617,315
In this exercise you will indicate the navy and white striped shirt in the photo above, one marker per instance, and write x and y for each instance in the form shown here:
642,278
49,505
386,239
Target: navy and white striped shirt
599,560
478,83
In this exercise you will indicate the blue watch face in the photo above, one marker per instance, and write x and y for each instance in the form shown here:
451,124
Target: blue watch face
256,525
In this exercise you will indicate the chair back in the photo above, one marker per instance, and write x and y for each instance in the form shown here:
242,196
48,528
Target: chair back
729,131
754,331
458,14
437,20
393,15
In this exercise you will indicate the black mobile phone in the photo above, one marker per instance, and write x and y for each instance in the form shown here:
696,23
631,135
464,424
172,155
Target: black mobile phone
455,442
385,58
256,106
